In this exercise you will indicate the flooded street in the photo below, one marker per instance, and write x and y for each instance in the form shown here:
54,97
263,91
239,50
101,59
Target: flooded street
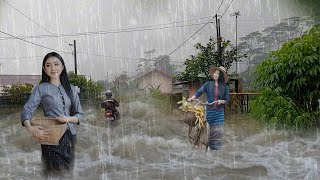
145,144
166,48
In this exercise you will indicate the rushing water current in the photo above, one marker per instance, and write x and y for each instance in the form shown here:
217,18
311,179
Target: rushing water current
145,144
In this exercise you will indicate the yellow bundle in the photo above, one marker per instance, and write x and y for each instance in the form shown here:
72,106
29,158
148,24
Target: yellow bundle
197,110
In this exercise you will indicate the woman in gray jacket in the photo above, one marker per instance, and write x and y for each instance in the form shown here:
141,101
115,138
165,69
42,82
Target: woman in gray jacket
58,100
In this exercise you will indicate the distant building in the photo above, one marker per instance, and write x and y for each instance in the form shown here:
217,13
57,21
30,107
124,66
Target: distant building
187,88
19,79
154,79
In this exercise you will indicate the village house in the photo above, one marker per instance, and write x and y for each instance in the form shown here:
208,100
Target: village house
8,80
19,79
154,79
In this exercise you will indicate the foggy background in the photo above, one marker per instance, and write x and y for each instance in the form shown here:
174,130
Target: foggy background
112,35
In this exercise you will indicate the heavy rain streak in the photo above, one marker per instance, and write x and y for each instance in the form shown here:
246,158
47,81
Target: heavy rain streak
138,49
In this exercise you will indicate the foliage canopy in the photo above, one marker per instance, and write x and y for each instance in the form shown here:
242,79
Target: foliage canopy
90,90
292,73
207,56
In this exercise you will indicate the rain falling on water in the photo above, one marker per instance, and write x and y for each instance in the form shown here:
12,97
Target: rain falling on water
145,144
111,39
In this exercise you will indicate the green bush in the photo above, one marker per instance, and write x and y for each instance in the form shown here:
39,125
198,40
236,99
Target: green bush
18,93
161,100
282,112
90,90
289,80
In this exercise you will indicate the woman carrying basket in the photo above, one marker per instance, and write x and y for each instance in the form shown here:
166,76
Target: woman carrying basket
217,92
59,100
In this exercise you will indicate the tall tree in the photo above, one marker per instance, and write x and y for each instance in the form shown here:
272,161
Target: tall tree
162,63
146,63
150,62
198,65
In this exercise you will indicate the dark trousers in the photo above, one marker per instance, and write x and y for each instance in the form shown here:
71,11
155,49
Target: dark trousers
58,159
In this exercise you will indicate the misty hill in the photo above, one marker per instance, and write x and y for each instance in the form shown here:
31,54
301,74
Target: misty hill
257,45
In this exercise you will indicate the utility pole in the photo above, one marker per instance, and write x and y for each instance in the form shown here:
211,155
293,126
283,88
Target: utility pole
236,14
107,83
218,41
75,56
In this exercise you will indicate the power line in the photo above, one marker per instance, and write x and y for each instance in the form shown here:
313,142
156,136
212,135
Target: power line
123,30
219,7
178,46
190,37
34,21
34,43
115,57
106,32
25,57
195,32
126,30
227,8
134,29
84,53
118,30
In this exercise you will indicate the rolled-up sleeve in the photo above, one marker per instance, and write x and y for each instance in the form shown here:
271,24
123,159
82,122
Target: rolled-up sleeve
77,106
31,105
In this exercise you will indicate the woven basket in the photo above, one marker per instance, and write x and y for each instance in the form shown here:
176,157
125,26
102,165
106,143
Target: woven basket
57,129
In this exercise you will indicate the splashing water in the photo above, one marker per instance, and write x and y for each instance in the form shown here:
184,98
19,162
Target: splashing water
150,145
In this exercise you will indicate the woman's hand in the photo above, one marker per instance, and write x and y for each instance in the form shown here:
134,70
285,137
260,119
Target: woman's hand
190,99
63,119
220,101
39,132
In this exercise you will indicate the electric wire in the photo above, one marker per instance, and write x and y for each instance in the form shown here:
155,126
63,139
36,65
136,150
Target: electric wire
226,8
34,21
116,57
25,57
128,31
119,31
195,32
39,45
105,32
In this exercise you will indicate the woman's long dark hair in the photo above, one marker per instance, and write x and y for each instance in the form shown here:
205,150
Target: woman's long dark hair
63,78
221,84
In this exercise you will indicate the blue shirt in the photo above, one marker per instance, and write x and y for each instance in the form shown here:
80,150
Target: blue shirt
54,101
212,94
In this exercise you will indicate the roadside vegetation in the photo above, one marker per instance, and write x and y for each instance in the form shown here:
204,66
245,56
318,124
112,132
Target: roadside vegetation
288,81
17,93
90,90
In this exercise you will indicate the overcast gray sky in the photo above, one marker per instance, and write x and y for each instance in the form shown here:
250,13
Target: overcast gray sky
112,35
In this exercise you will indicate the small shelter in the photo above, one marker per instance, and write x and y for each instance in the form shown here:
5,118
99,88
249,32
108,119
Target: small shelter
154,79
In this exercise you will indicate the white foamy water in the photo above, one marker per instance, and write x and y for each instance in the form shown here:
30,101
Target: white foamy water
144,144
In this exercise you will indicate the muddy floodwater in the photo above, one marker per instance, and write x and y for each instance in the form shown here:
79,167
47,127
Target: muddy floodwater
148,145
